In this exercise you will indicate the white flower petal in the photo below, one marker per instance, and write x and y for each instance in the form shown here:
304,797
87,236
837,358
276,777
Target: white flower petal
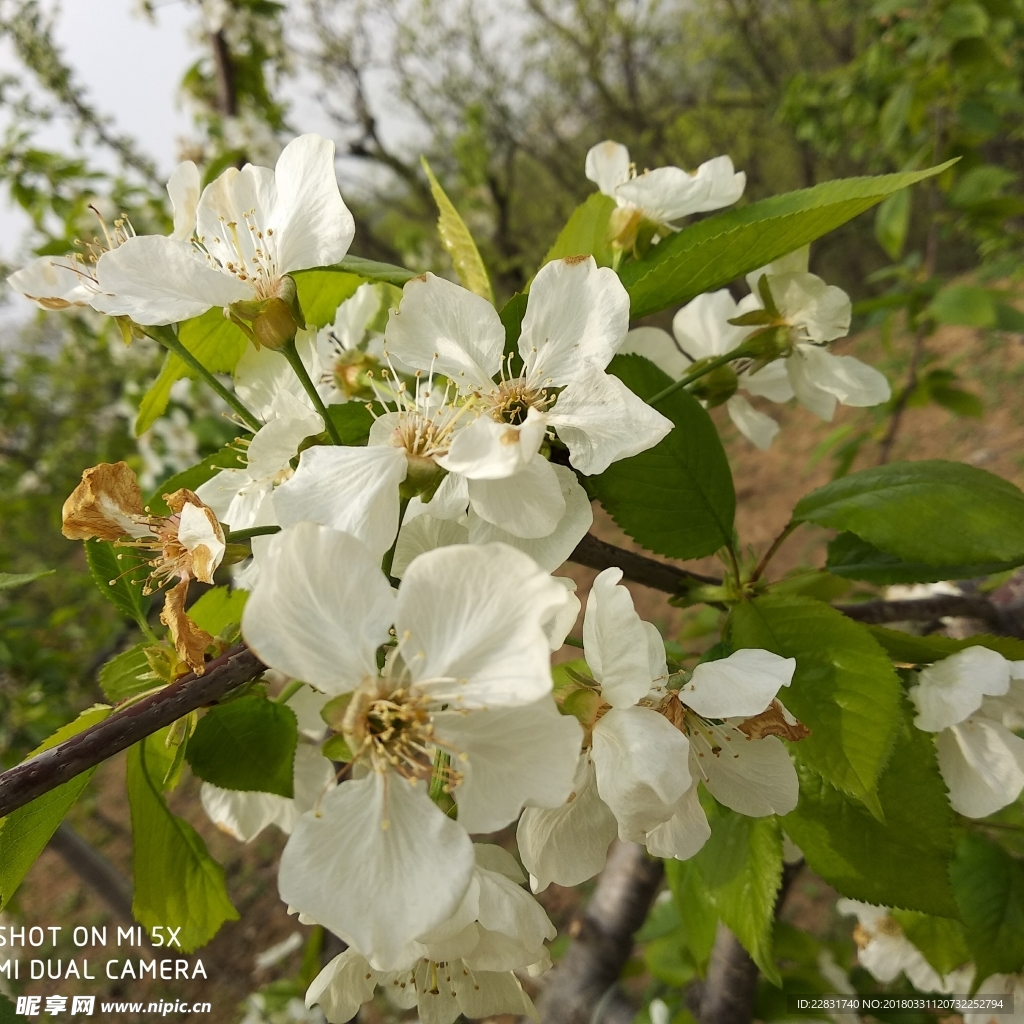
550,551
753,777
319,609
771,382
657,345
489,994
471,621
755,426
684,833
821,312
667,194
982,763
743,684
262,375
802,368
156,280
795,262
854,383
450,501
657,665
616,642
311,223
423,534
235,497
607,166
274,445
489,450
195,530
561,623
726,183
184,188
641,761
350,489
379,864
569,844
53,283
442,327
576,318
530,504
702,326
601,421
951,689
343,986
513,757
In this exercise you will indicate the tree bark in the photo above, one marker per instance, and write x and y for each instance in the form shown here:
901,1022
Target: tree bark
582,987
95,870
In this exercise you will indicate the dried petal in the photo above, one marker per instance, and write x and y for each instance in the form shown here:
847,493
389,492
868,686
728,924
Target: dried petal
774,722
189,640
103,505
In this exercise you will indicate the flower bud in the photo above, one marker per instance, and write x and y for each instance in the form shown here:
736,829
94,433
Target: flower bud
715,387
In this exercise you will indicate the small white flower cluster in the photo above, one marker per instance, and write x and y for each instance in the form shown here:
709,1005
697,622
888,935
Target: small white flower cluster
437,694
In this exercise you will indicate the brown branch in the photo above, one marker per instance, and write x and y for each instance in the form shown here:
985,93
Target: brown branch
31,779
926,609
227,94
598,554
583,982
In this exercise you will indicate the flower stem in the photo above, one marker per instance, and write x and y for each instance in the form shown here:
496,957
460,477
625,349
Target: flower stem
165,336
289,691
291,353
389,556
770,553
714,364
237,536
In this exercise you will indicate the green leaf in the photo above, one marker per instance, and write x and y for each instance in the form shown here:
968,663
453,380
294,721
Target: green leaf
321,292
586,232
718,249
903,862
127,674
247,744
741,865
511,316
10,580
891,223
353,421
25,832
120,574
218,608
229,457
956,400
696,911
923,650
177,882
457,240
934,512
8,1011
215,341
1008,318
677,498
856,559
371,270
964,305
155,400
989,887
844,689
942,941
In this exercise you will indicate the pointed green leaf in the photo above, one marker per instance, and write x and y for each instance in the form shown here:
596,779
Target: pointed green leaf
218,608
856,559
352,420
247,744
989,886
457,241
901,862
371,270
25,832
155,400
934,512
891,223
845,689
741,866
127,674
177,882
120,575
696,911
941,940
718,249
923,650
677,498
586,232
10,580
321,292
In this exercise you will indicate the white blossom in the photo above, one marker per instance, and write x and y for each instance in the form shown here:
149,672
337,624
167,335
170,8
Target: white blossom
971,700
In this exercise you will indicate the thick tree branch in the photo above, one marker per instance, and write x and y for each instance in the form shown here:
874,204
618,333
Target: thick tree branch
31,779
598,554
585,978
927,609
